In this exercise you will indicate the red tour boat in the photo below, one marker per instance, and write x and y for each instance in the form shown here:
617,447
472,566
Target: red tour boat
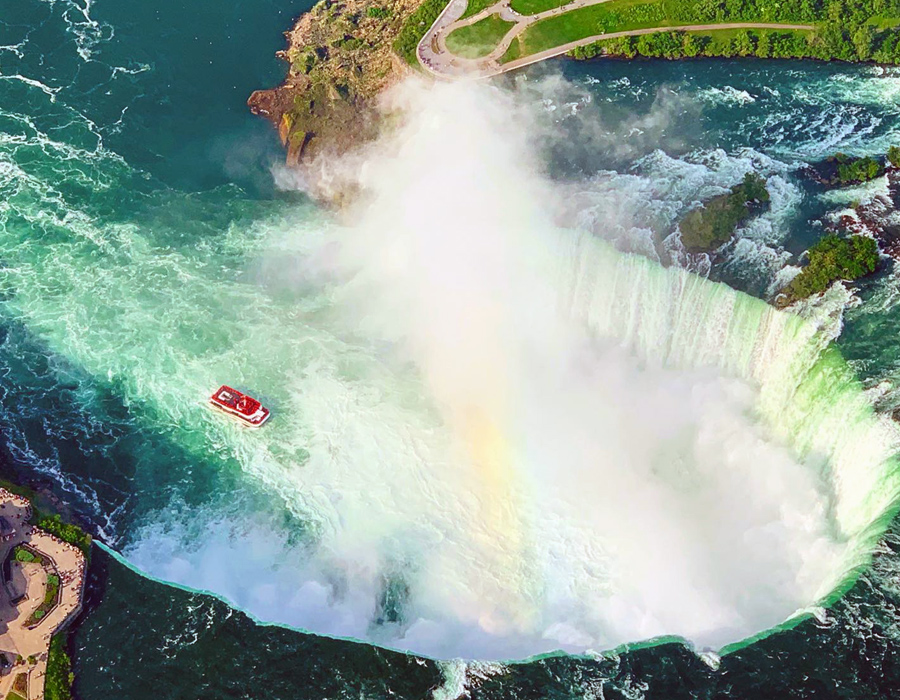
245,408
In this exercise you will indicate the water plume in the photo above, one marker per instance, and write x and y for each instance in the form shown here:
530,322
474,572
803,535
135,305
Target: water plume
493,436
631,452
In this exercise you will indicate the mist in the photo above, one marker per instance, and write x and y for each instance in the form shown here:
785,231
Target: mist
520,440
616,501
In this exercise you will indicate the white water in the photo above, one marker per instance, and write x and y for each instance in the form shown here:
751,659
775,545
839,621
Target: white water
545,443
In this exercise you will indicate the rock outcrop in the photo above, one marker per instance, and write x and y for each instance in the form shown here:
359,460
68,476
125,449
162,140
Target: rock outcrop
340,58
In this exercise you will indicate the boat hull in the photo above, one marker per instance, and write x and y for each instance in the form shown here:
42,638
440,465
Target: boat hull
243,420
243,408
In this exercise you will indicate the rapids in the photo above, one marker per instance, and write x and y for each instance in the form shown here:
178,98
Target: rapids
540,444
494,437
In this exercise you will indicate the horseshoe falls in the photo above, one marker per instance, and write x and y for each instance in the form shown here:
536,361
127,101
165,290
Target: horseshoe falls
493,436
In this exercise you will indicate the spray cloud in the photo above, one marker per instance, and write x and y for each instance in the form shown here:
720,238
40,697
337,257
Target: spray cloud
520,440
608,498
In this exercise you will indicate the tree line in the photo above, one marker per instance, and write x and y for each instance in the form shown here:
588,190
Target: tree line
847,30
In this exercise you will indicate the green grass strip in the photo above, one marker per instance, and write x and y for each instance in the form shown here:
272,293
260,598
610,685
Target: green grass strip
533,7
479,39
608,17
476,6
513,52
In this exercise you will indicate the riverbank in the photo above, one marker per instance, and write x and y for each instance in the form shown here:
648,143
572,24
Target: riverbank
342,55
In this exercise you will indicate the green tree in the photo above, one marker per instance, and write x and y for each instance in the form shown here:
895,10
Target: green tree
836,11
628,48
690,45
834,258
763,45
893,156
744,44
864,41
645,45
807,10
729,49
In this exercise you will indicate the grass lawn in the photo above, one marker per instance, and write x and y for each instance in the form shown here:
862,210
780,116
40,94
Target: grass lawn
533,7
608,17
513,52
14,696
476,6
478,39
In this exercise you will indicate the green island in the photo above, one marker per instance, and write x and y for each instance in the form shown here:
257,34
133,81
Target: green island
842,170
832,258
713,224
893,156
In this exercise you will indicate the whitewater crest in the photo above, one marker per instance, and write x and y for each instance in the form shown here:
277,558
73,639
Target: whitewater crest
494,437
589,450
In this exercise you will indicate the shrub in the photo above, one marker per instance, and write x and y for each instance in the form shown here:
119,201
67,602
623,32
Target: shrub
854,170
893,156
24,555
713,224
378,12
66,532
414,29
58,682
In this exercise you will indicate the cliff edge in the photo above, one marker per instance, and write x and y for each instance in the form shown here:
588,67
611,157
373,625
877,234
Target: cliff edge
340,57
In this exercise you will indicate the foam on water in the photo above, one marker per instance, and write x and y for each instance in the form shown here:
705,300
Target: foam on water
495,437
728,95
633,210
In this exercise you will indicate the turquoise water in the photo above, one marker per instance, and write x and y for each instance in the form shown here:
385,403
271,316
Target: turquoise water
133,179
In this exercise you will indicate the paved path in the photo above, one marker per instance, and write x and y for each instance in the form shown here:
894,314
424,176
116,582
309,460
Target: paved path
31,580
435,58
